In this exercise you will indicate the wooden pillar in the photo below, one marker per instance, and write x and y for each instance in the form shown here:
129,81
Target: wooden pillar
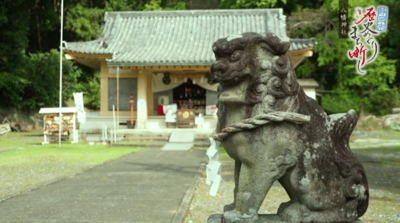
142,102
150,95
103,88
117,97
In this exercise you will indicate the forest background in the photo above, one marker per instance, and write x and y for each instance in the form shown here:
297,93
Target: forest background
30,35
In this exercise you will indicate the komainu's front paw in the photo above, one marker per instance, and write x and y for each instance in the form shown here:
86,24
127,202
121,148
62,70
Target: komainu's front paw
235,217
229,207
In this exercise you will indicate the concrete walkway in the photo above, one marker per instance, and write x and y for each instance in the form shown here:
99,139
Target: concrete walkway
146,186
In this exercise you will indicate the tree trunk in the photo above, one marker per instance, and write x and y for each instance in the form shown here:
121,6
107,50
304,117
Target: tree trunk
341,86
361,111
38,32
360,93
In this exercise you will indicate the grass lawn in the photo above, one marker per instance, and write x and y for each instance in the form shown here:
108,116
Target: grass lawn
26,164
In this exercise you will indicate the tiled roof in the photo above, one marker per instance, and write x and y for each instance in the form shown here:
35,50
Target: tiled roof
178,37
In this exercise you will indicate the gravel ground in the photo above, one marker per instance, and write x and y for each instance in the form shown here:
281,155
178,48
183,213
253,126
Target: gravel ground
384,183
22,177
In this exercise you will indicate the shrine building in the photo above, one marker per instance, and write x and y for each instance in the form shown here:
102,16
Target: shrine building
164,57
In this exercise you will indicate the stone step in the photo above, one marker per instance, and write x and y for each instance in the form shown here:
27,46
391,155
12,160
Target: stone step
147,137
155,144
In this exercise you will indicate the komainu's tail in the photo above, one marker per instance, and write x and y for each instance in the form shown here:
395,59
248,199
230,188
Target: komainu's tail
356,184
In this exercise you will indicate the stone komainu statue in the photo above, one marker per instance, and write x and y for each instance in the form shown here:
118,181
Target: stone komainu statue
274,131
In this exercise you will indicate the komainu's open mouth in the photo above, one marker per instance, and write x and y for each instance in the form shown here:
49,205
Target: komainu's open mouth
234,91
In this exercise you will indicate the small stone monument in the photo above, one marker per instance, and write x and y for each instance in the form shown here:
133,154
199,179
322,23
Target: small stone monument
274,132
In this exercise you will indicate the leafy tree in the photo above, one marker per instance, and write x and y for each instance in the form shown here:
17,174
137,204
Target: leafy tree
305,70
243,4
288,6
341,101
14,26
176,5
92,88
153,5
84,22
42,74
123,5
44,26
157,5
389,43
350,84
11,87
382,102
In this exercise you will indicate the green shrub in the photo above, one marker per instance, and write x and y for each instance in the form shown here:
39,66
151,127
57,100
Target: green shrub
382,102
92,93
340,103
36,83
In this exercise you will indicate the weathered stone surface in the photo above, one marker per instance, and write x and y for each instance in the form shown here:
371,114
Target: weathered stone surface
274,131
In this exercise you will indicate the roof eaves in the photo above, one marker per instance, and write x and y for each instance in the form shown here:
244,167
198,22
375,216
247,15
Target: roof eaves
133,64
308,82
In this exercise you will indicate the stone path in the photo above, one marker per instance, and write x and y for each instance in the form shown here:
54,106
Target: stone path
146,186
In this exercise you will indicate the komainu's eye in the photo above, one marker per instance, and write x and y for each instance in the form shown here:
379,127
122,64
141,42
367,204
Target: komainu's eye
214,48
236,55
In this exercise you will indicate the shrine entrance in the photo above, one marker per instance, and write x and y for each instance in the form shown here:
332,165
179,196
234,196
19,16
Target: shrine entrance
189,95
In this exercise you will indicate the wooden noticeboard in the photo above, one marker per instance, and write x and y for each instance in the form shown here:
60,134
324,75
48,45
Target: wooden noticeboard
51,123
51,118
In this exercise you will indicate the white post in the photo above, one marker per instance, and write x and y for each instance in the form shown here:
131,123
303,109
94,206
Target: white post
102,132
61,50
44,134
213,167
45,140
105,131
115,126
75,138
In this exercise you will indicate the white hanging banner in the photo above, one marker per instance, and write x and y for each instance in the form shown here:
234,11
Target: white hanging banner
78,97
213,167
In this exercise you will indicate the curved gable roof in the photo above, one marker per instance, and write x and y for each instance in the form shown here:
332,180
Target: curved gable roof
178,37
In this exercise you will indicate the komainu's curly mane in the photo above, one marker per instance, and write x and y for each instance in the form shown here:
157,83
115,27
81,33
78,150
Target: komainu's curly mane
274,131
272,86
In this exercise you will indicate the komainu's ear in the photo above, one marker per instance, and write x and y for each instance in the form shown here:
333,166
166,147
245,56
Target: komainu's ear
276,44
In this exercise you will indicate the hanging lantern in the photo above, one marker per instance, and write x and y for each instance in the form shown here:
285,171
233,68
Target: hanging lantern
166,78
